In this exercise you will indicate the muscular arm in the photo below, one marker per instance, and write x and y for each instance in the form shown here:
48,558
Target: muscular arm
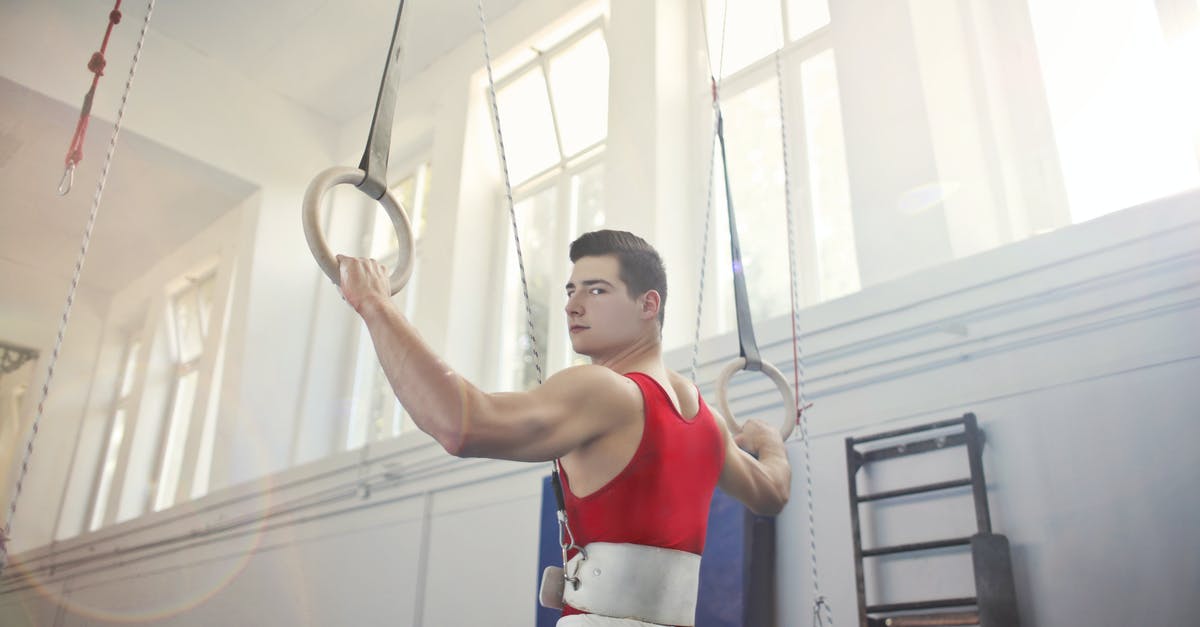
571,408
762,484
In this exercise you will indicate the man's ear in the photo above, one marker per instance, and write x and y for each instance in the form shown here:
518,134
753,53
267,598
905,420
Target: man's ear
650,302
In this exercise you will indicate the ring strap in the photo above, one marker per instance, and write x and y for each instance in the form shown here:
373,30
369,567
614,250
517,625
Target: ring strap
379,139
746,341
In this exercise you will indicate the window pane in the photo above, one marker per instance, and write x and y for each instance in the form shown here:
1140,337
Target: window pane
529,139
188,338
204,299
130,372
417,214
579,83
756,178
587,200
752,31
829,187
806,16
382,408
537,217
181,414
384,244
208,432
587,214
1121,107
115,436
413,193
420,204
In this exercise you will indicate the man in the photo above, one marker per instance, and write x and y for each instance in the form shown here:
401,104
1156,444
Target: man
640,451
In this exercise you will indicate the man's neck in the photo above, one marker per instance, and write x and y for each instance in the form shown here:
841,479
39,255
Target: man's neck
644,355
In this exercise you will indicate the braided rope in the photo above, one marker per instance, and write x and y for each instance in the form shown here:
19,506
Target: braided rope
508,192
564,528
797,355
62,327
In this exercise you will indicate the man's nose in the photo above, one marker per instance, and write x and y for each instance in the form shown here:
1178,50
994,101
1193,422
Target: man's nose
572,308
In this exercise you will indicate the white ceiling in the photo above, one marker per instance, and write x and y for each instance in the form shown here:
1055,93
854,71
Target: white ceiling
326,55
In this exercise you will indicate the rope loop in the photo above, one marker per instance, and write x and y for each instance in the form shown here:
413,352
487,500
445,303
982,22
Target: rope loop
818,605
68,178
96,64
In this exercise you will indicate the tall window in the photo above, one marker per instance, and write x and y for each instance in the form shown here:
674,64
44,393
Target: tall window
122,408
1124,100
742,44
554,114
375,413
189,322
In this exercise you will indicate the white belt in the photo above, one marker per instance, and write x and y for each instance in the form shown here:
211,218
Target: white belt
646,583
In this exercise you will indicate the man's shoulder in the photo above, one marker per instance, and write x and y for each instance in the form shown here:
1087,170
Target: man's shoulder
598,390
590,379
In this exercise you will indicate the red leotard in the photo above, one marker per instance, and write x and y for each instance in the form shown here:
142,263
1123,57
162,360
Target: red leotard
661,498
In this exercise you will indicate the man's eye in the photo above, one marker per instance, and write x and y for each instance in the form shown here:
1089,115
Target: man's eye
596,290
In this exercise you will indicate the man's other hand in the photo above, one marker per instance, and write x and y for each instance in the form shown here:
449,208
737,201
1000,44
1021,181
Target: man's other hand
755,435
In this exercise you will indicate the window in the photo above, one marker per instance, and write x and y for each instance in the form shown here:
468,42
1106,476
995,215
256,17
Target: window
375,413
555,108
1123,99
743,33
1018,123
828,201
824,225
554,113
116,434
208,430
189,321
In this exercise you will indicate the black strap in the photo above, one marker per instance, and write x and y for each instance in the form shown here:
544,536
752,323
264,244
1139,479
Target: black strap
379,140
558,490
749,347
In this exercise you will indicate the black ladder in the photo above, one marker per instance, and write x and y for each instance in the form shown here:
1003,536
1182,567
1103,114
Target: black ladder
994,603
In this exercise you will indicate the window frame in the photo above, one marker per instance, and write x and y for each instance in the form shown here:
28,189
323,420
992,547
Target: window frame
541,60
103,504
180,369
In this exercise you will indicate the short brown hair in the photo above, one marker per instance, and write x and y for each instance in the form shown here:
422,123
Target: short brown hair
641,267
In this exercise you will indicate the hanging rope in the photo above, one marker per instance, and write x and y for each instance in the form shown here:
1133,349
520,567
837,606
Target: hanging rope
96,67
566,539
6,534
802,403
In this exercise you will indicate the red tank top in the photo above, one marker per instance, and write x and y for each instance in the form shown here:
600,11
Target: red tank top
661,497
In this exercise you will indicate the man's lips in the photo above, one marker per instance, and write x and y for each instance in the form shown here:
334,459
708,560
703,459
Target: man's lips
578,327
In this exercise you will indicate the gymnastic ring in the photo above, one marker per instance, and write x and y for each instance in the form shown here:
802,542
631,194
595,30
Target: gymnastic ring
339,175
785,388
